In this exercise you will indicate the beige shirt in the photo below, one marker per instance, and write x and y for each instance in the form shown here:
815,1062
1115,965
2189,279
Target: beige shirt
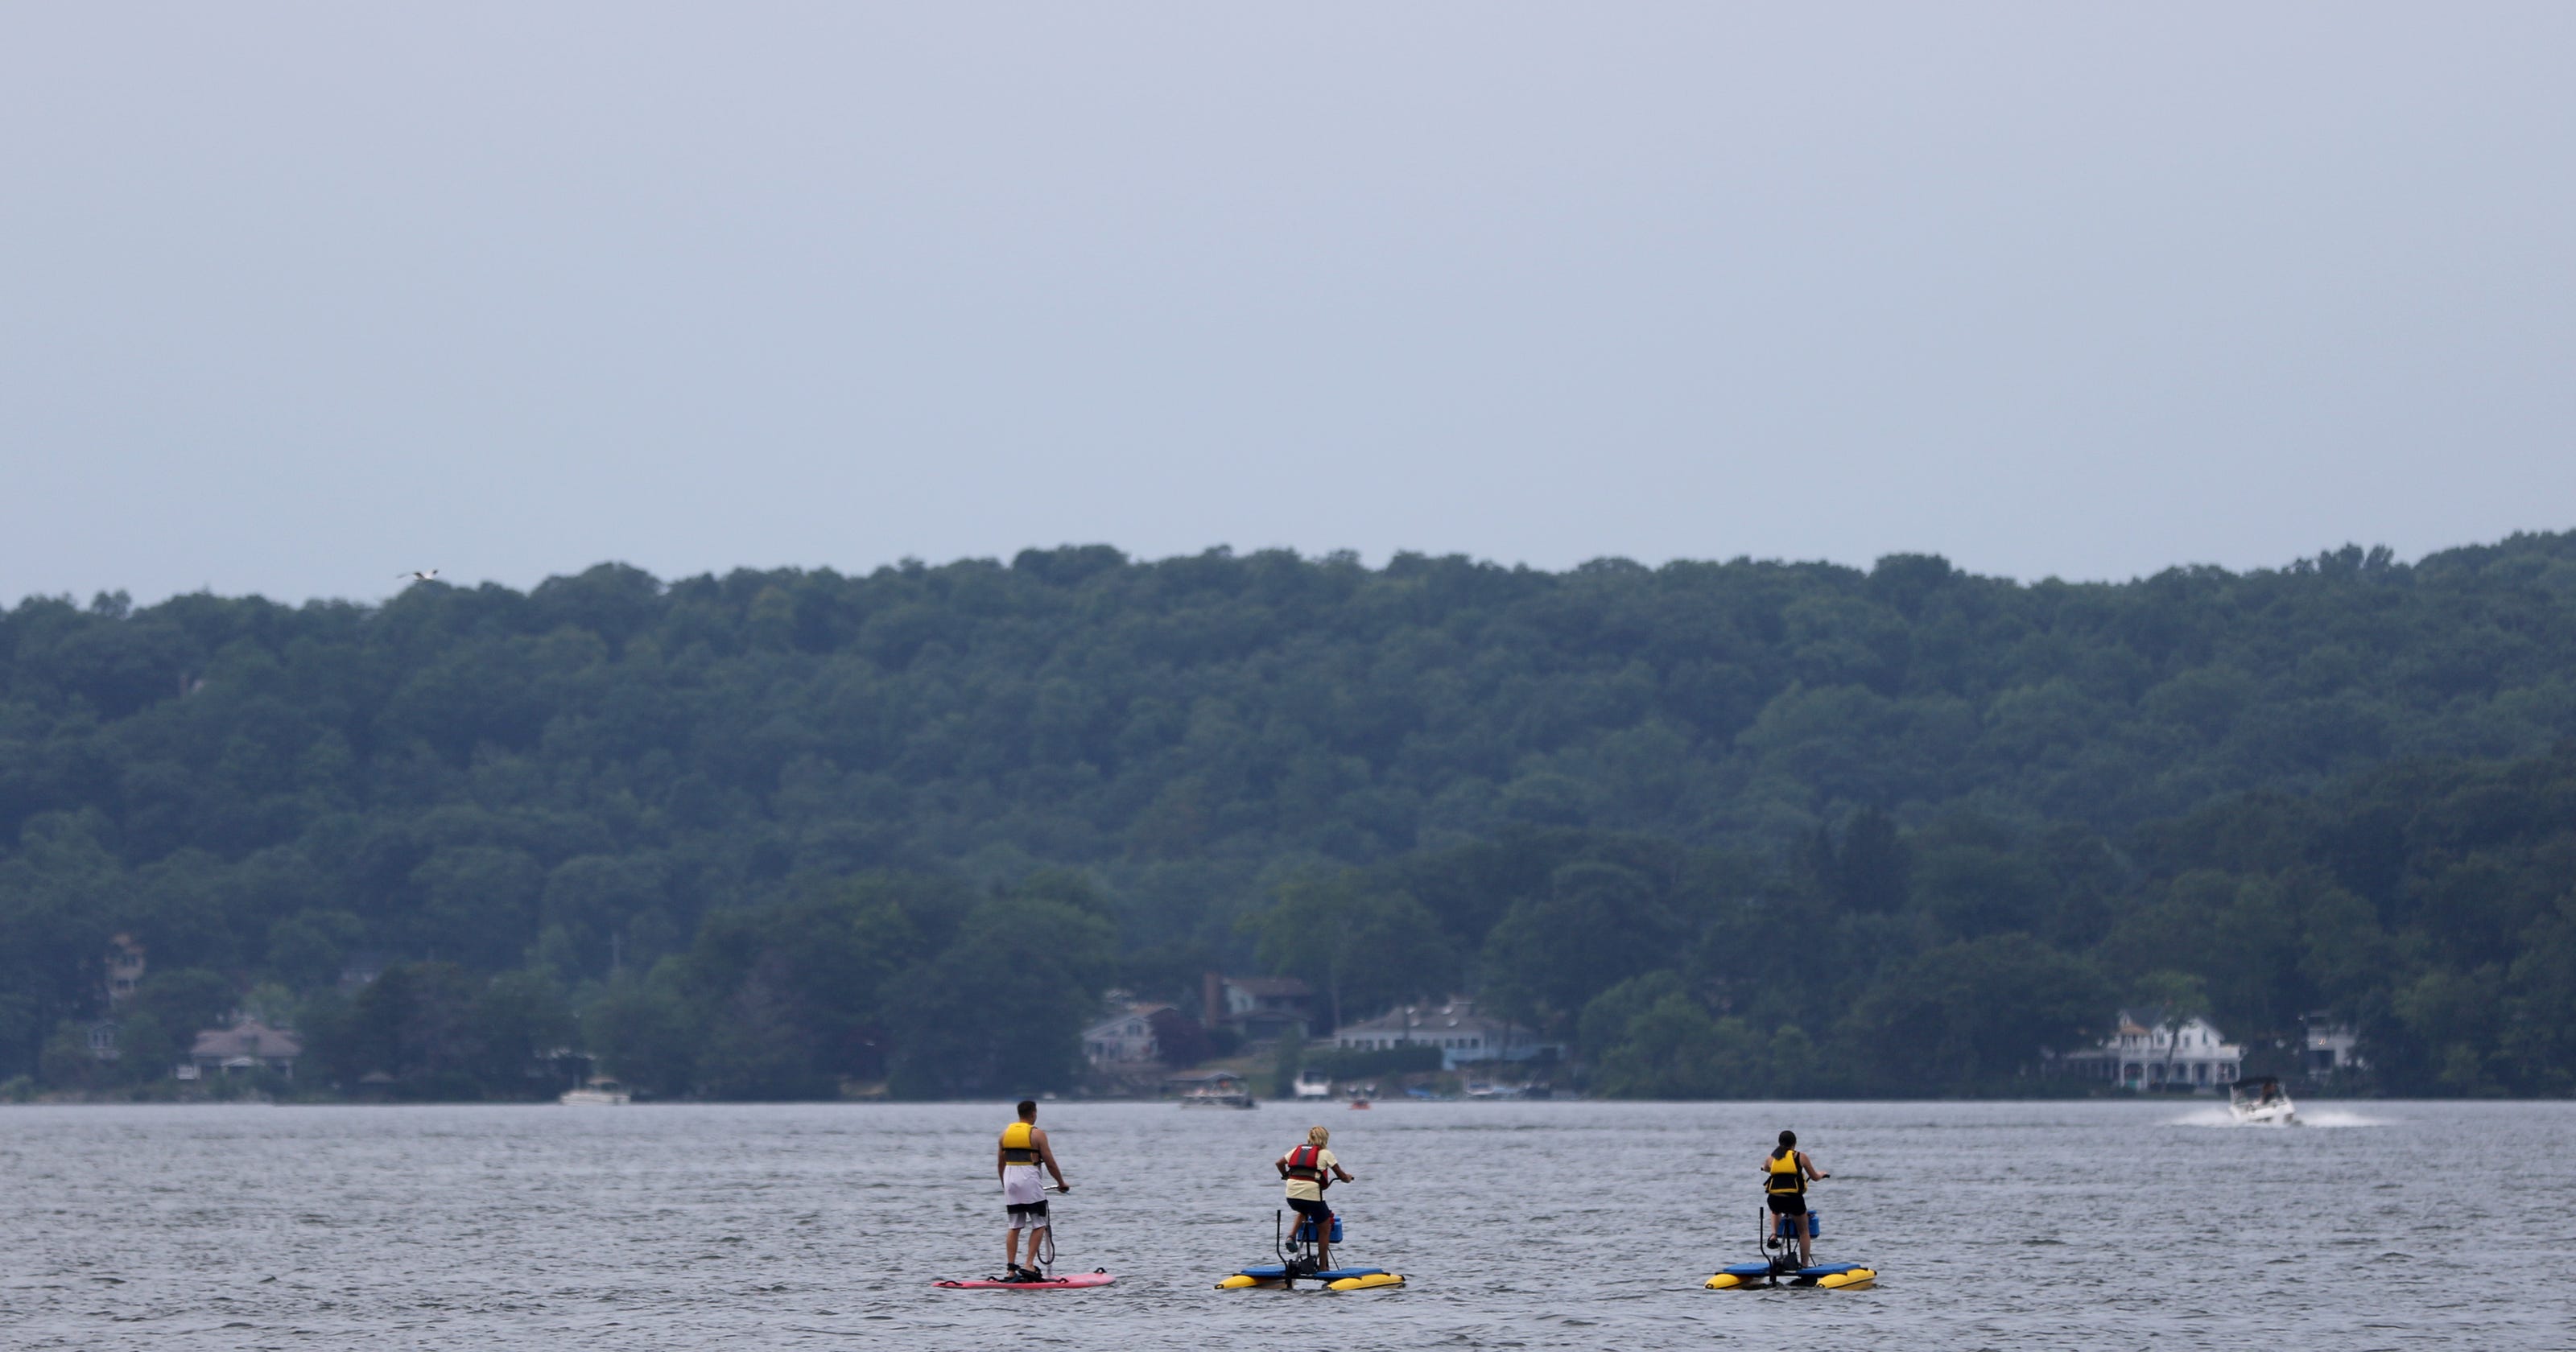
1299,1190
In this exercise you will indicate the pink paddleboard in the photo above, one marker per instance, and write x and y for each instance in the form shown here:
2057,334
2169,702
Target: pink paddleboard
1064,1283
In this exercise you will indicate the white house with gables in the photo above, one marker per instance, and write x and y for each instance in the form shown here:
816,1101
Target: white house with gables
1461,1034
1123,1039
2143,1054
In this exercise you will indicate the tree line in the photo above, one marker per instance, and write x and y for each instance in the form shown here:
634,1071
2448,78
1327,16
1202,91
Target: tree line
1722,828
2428,905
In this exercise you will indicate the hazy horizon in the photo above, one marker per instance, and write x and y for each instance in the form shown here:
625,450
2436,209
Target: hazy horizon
306,298
1377,562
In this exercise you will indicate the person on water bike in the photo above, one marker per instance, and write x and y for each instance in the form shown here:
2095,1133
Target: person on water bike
1023,1151
1308,1170
1785,1172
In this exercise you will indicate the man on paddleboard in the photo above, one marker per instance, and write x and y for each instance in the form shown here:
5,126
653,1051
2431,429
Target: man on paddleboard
1785,1172
1308,1170
1024,1150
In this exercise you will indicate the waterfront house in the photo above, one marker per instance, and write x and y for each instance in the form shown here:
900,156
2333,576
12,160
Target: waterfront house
1260,1007
2329,1047
124,968
2143,1054
1461,1034
1124,1039
246,1046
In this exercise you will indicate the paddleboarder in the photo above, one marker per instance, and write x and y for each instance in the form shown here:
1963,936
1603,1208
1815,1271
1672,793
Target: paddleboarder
1308,1170
1024,1152
1785,1172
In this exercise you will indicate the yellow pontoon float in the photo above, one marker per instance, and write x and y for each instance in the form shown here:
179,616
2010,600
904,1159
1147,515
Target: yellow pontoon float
1296,1253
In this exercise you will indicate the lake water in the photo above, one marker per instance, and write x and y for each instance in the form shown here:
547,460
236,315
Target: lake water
2085,1225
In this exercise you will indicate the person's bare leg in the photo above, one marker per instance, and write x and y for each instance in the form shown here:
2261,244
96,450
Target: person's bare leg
1010,1249
1806,1241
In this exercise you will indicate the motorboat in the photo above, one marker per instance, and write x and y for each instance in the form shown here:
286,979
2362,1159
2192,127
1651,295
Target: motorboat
598,1091
1314,1085
2261,1103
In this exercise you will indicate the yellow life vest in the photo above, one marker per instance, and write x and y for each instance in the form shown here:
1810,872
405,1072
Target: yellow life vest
1019,1144
1786,1178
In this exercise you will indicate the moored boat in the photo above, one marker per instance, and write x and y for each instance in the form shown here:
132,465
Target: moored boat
598,1091
1212,1089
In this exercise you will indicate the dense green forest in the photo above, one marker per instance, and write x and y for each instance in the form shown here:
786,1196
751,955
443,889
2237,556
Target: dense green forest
1738,828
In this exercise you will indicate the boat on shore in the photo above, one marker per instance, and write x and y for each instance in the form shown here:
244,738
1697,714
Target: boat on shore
598,1091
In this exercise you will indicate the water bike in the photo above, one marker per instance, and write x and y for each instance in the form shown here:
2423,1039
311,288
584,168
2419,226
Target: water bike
1041,1252
1298,1262
1780,1266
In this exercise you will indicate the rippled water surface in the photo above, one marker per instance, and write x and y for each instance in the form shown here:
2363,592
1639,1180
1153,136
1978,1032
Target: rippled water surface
2095,1225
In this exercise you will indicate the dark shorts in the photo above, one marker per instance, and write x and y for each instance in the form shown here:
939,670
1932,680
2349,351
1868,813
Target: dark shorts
1787,1203
1037,1209
1315,1211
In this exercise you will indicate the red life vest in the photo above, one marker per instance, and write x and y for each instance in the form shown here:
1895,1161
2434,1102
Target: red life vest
1302,1166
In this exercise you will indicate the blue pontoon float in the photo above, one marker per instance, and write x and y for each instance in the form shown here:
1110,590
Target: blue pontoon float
1780,1267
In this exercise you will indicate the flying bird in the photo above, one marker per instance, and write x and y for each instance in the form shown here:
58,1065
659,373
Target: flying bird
417,577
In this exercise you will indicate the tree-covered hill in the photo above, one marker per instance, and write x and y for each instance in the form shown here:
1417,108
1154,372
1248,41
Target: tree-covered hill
577,778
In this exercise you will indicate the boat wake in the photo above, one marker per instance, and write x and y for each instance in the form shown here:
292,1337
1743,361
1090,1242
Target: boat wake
2329,1118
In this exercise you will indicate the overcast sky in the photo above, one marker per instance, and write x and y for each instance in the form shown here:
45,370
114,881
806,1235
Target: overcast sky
294,297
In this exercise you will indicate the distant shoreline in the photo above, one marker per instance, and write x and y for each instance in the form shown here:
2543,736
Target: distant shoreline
1061,1104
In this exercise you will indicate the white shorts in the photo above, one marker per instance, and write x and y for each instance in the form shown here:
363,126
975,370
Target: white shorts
1023,1184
